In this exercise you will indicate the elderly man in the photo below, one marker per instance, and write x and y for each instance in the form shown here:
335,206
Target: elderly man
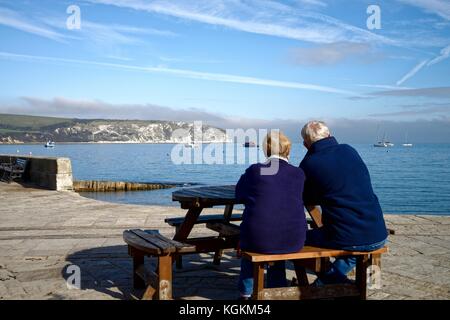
338,180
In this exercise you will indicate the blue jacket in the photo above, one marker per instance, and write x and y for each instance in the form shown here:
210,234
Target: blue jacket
338,180
274,218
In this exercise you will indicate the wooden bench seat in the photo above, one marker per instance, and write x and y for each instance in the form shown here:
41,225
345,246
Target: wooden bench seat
150,243
304,291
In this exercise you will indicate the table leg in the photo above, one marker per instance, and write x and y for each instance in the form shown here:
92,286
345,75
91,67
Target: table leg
188,224
178,257
300,272
227,216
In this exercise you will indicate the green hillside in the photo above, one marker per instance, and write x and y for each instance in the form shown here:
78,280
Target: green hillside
12,121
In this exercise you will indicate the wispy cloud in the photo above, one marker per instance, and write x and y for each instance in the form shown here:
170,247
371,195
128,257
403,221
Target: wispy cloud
259,17
185,73
383,86
108,35
17,21
439,7
434,92
417,110
445,54
412,72
328,54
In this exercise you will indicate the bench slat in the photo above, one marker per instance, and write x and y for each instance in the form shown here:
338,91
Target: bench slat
306,253
179,246
137,242
161,243
203,219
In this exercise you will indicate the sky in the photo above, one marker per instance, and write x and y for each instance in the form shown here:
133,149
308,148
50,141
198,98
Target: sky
234,63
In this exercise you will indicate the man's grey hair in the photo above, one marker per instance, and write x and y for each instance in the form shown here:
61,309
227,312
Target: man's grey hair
314,131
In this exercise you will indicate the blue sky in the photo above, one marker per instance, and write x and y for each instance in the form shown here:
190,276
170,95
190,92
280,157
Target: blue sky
229,62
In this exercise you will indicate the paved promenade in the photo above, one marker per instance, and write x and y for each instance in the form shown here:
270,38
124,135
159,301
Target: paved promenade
42,232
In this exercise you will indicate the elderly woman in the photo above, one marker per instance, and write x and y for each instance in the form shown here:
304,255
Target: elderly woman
274,218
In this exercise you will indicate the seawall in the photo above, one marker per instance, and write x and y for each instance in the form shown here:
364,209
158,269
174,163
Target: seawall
112,186
45,172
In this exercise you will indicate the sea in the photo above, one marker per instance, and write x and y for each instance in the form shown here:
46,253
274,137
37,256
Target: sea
407,180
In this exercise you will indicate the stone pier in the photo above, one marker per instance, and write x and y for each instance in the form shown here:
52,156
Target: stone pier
45,172
42,232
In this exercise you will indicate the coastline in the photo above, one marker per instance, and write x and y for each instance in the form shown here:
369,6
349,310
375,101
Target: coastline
108,142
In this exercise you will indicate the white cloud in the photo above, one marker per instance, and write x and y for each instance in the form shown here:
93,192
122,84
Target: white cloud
332,53
412,72
259,17
445,53
439,7
184,73
14,20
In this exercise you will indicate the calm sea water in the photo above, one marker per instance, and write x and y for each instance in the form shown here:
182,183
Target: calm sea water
406,180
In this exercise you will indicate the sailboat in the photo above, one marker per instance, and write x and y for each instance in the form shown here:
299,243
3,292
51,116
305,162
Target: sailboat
407,144
383,143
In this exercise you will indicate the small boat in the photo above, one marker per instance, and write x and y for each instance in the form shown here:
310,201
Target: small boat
250,144
50,144
407,144
383,143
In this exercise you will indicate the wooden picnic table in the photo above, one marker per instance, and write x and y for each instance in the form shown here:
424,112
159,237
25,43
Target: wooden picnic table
197,199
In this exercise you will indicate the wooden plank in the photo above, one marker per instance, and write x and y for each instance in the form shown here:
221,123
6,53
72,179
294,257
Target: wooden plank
225,229
306,253
159,242
220,193
316,216
137,242
309,292
203,219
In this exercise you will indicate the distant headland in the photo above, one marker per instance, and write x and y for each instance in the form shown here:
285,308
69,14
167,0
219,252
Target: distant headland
16,129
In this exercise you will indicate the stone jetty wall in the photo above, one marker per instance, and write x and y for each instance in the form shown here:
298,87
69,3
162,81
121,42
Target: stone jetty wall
112,186
46,172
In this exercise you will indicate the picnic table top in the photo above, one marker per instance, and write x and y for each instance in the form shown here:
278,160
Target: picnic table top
206,196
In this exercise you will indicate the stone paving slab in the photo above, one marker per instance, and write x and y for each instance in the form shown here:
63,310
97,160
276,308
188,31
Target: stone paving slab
43,232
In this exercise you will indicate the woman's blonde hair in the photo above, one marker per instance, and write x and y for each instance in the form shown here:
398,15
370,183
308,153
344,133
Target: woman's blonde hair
277,144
